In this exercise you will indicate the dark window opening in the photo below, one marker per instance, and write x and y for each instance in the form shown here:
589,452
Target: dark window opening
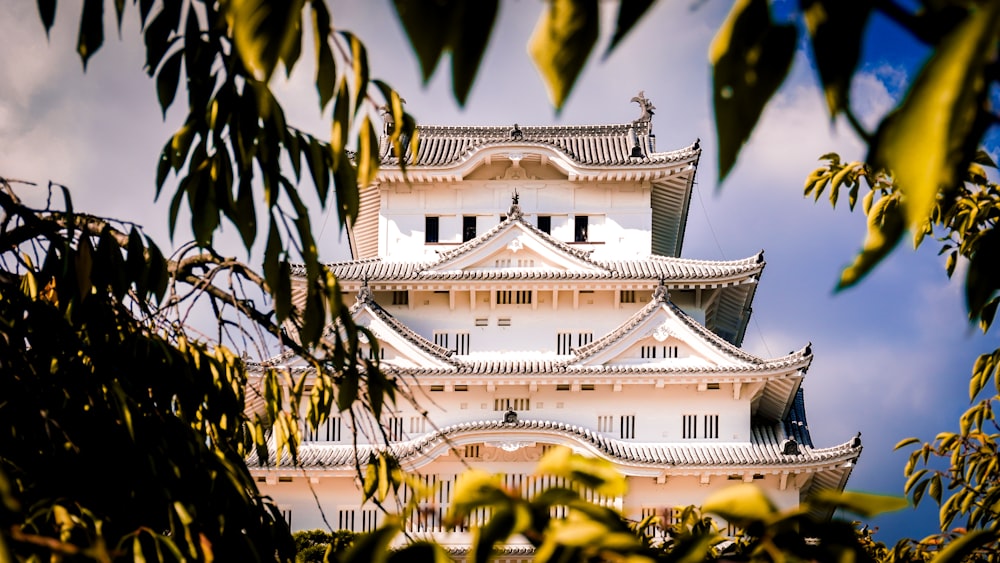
468,227
580,228
431,229
545,224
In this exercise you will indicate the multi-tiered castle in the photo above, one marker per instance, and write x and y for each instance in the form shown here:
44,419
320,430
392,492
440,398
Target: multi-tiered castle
525,285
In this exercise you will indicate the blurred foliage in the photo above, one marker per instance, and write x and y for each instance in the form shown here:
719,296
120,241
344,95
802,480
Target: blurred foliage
96,351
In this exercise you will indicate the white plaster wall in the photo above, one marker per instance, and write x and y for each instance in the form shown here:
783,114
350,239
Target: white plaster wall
619,213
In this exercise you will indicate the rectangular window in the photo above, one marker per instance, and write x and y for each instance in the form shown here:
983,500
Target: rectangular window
394,428
345,520
503,321
605,423
468,227
329,431
670,352
711,426
653,530
471,451
564,341
369,520
400,297
418,425
286,513
505,297
647,352
372,355
522,297
580,227
517,404
627,296
545,224
689,429
431,228
482,322
461,388
457,342
627,426
562,387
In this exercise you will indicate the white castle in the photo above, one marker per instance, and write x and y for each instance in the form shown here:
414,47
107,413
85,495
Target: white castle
525,286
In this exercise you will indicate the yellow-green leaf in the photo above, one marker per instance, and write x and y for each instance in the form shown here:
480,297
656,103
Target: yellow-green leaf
750,57
598,474
863,504
561,43
885,227
740,504
264,32
923,143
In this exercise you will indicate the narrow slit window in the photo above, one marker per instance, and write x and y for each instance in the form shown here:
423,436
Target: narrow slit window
627,296
468,227
581,225
627,426
431,223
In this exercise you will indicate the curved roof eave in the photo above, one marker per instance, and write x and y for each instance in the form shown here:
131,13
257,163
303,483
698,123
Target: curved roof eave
560,159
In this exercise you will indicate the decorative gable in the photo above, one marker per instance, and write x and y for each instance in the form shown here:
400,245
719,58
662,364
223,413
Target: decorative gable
661,335
399,346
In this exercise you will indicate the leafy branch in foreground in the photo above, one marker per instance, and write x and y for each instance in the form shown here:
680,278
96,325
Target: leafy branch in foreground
964,219
563,522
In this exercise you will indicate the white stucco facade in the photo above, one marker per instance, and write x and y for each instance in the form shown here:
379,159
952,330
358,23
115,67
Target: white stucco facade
536,270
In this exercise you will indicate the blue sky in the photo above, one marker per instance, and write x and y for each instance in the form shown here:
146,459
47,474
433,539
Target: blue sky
892,356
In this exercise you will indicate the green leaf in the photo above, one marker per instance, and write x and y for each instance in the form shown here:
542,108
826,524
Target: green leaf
597,474
264,32
863,504
359,64
836,28
962,548
91,35
427,26
166,81
885,228
750,58
561,44
368,156
470,35
47,12
629,13
981,280
423,551
326,68
740,504
924,143
373,547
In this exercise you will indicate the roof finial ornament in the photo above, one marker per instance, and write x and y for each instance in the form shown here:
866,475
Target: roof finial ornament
856,441
388,120
516,134
661,291
515,210
645,106
365,293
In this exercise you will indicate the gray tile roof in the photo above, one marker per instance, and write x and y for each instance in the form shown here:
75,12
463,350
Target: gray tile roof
674,271
587,145
763,450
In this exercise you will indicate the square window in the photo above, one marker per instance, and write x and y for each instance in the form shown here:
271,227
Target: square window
545,224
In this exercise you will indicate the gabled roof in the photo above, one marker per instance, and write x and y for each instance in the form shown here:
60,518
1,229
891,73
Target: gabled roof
765,450
582,145
466,263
